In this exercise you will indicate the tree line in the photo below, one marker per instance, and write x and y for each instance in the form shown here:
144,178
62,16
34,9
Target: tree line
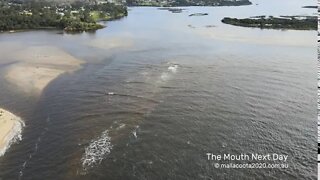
21,15
289,22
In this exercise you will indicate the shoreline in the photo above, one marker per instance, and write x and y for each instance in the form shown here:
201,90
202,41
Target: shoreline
68,30
10,130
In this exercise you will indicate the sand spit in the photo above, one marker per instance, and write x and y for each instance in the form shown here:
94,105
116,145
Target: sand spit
10,130
31,79
37,66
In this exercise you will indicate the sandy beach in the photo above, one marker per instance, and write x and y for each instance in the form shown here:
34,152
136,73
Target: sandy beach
10,129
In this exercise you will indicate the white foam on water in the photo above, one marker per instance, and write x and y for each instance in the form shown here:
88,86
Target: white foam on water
14,136
134,132
35,150
109,93
29,158
173,68
97,150
121,126
164,76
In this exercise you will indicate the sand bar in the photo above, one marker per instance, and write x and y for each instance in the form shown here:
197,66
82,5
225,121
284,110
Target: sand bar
36,66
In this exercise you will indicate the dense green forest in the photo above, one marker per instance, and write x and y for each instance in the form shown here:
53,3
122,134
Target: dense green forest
285,22
172,3
75,16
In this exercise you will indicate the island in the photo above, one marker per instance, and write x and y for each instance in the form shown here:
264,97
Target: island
175,3
199,14
312,7
173,10
282,22
74,16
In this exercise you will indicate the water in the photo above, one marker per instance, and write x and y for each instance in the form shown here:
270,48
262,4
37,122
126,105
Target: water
156,95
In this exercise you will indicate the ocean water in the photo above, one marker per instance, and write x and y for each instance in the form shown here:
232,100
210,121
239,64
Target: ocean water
160,90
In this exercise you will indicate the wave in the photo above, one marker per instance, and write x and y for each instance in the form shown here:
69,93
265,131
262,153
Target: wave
35,150
173,68
110,93
121,126
97,150
164,76
134,132
14,136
